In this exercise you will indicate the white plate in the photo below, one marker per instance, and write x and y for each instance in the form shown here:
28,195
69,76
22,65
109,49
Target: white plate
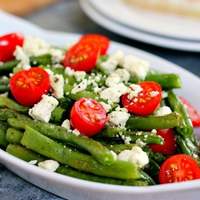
136,34
152,22
75,189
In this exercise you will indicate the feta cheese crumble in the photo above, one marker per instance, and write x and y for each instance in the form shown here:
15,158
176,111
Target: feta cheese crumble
57,85
134,91
118,118
136,66
106,106
66,124
43,109
80,87
136,155
164,110
49,165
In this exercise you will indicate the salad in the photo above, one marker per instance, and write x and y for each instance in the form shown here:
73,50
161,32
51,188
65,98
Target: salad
101,117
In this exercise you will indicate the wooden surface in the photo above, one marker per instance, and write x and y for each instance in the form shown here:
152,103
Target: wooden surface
23,7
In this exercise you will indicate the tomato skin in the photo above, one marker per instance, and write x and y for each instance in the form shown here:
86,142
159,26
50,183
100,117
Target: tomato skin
145,103
82,56
169,145
28,86
88,116
8,45
99,40
178,168
193,113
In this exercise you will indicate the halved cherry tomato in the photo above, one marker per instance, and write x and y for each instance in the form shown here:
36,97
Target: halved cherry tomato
88,116
169,145
8,45
193,113
99,40
82,56
146,102
28,86
178,168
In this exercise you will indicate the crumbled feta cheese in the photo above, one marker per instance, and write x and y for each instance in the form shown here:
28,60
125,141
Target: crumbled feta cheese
69,71
33,162
134,91
106,106
43,109
114,93
136,155
136,66
49,165
118,118
76,132
164,110
22,57
79,75
140,143
164,94
126,139
57,85
113,61
154,131
123,74
80,87
57,55
66,124
34,46
113,79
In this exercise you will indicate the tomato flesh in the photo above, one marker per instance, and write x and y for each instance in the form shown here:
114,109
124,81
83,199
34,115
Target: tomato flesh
193,112
146,102
179,168
99,40
88,116
82,56
169,145
8,45
28,86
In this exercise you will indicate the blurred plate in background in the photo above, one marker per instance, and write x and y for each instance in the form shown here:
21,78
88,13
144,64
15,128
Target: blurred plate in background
96,14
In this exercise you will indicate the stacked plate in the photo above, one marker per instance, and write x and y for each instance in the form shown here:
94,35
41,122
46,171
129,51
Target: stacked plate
154,28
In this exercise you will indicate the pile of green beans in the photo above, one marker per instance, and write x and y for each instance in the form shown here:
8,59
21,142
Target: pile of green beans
92,159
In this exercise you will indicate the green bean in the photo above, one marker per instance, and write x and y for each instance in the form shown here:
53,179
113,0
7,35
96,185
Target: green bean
23,153
4,81
45,59
147,178
118,148
85,93
57,115
185,128
3,128
7,67
5,102
65,170
51,149
98,151
153,168
6,113
154,122
4,88
66,103
134,136
167,81
13,136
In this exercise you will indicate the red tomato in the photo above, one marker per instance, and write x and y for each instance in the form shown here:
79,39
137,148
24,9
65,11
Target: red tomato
82,56
193,113
8,45
88,116
169,145
146,102
28,86
179,168
100,40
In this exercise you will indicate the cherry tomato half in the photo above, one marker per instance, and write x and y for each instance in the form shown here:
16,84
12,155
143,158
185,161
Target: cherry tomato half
178,168
28,86
88,116
169,145
193,113
99,40
8,45
82,56
146,102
